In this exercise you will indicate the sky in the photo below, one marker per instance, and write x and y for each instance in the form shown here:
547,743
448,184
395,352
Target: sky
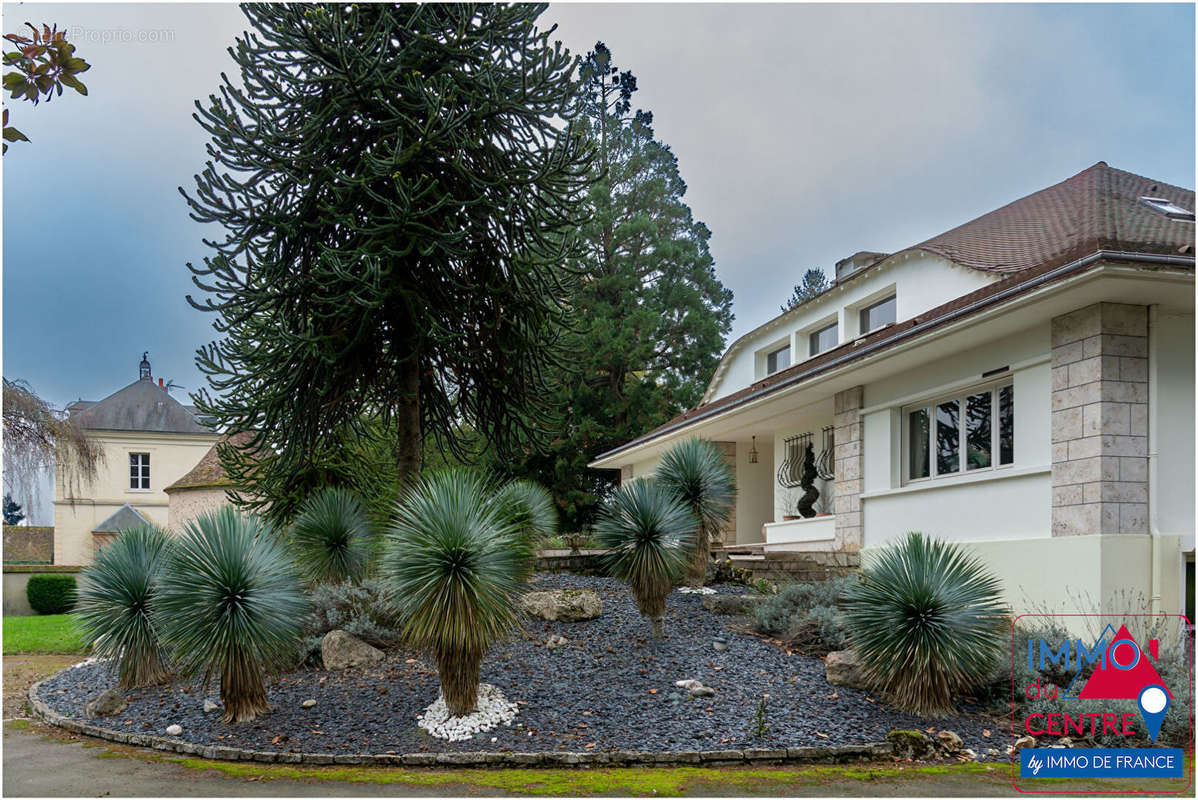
804,132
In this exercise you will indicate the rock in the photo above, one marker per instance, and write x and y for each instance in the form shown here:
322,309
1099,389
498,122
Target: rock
910,744
1065,741
993,752
555,641
949,742
702,691
308,703
108,702
688,684
174,730
340,650
210,706
563,605
1025,741
968,753
844,668
732,603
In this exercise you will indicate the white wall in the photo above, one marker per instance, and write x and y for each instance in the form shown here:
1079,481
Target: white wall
754,493
920,281
1173,494
1009,503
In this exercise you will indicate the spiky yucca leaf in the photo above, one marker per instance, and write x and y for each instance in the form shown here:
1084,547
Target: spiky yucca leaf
648,531
928,622
530,508
697,472
230,605
331,538
116,600
455,565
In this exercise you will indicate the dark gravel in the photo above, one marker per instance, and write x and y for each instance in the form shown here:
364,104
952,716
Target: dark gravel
611,687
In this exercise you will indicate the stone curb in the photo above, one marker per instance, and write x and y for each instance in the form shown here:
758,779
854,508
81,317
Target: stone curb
789,755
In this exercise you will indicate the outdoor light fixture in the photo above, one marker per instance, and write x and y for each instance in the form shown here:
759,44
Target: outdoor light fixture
753,452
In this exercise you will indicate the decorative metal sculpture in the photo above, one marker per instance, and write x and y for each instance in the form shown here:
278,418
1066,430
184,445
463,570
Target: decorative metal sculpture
806,504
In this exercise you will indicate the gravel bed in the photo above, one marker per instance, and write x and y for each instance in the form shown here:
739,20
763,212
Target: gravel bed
611,687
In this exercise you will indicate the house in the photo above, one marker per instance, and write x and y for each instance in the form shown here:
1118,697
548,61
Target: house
149,440
203,488
1022,384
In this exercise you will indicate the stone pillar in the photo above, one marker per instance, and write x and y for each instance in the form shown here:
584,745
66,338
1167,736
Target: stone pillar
849,433
1100,420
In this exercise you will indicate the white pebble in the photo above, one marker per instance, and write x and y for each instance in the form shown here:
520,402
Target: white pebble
210,706
308,703
174,730
493,709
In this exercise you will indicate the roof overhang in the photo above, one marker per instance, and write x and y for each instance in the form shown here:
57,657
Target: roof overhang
866,363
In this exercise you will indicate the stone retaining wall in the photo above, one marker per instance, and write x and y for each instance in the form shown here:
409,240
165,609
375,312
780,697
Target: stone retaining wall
843,753
584,562
29,544
800,567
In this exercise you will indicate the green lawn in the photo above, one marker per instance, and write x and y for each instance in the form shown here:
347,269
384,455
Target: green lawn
53,633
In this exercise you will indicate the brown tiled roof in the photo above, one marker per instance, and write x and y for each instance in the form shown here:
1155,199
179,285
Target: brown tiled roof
1096,210
208,472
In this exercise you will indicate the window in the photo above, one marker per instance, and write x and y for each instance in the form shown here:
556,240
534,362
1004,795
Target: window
823,339
139,470
970,432
877,315
1168,208
779,359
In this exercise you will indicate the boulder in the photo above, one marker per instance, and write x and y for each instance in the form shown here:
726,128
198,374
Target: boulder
106,703
563,605
701,691
910,744
1025,741
732,603
688,684
950,742
844,668
340,650
210,706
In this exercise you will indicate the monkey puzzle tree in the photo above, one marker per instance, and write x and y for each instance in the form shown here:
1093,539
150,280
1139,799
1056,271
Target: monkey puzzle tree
396,191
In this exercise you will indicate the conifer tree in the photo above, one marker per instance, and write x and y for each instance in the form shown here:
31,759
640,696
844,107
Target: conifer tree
396,189
650,314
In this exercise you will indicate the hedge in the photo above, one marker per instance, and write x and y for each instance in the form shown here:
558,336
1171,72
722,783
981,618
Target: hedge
51,594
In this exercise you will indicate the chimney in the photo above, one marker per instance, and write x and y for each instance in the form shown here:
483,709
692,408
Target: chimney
160,386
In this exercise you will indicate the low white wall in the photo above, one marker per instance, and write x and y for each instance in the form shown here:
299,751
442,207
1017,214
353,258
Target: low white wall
1078,574
800,534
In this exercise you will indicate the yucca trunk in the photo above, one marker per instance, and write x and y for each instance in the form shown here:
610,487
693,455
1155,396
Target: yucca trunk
696,568
651,602
143,668
242,689
458,670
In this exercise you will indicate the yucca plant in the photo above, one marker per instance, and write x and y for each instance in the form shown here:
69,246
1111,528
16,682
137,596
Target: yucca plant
230,605
927,621
530,508
331,539
116,603
648,531
696,471
455,564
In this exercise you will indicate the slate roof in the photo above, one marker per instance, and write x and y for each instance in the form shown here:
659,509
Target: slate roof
140,406
208,472
1099,209
124,517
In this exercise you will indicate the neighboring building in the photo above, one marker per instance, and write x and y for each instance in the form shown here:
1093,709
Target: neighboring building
202,489
1022,384
149,441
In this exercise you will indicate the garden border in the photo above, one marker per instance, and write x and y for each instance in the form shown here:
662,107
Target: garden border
789,755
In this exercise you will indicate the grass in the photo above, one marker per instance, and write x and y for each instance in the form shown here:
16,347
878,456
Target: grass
53,633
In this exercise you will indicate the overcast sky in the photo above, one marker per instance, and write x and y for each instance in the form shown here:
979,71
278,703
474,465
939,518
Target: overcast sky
805,133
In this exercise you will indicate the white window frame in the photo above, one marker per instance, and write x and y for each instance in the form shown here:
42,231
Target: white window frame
773,354
961,396
143,467
813,332
862,330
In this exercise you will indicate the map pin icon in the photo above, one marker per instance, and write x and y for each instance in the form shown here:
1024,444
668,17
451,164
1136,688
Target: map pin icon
1154,702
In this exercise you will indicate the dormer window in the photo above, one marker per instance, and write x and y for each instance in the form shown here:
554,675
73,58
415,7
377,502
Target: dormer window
823,339
1168,208
778,359
879,314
